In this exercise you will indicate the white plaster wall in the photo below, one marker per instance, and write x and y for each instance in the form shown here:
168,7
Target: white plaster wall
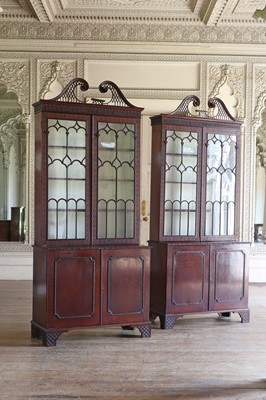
16,266
257,267
157,82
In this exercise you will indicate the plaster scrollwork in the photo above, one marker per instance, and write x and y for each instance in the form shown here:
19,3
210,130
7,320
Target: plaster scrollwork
232,77
55,74
260,96
259,124
26,119
6,144
260,104
23,155
4,114
8,137
260,80
20,85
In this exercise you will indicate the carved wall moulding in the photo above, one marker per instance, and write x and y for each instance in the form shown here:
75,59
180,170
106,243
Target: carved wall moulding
259,94
232,79
54,74
259,123
20,85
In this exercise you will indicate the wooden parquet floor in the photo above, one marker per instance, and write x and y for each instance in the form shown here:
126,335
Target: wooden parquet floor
203,357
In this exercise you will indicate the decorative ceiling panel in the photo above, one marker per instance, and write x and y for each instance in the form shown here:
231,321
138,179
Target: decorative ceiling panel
143,20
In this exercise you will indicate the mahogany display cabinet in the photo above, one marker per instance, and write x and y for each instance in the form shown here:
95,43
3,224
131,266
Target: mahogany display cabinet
88,269
198,264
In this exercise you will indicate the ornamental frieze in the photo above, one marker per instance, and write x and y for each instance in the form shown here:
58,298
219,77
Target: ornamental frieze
143,31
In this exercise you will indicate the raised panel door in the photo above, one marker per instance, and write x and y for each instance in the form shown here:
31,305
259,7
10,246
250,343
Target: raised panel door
228,277
125,286
187,279
75,279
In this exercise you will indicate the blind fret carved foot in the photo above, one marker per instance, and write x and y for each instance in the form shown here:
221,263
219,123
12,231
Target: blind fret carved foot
168,321
244,315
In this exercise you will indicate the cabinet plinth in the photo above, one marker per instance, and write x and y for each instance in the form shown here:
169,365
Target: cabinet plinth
89,269
198,264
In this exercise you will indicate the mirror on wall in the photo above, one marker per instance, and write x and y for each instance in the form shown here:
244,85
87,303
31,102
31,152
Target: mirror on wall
260,195
12,167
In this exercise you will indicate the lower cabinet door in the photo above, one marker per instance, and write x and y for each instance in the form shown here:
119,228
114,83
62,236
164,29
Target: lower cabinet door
73,288
228,277
125,285
187,279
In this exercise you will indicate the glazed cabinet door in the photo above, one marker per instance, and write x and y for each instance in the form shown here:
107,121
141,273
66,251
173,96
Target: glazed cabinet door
125,285
115,180
74,288
63,179
220,197
181,177
228,277
187,279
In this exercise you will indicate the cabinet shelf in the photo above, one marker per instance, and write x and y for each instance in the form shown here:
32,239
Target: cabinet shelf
181,154
119,210
66,179
180,210
181,183
59,147
116,180
116,149
66,209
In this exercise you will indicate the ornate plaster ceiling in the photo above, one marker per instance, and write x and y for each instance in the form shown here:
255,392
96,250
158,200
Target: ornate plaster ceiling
208,12
236,21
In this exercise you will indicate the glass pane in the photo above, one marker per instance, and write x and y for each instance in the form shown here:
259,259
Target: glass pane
66,179
57,169
116,180
56,189
76,136
76,190
220,188
57,133
76,169
180,183
106,174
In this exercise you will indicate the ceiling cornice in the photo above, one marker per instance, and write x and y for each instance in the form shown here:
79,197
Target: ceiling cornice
43,11
211,11
194,23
